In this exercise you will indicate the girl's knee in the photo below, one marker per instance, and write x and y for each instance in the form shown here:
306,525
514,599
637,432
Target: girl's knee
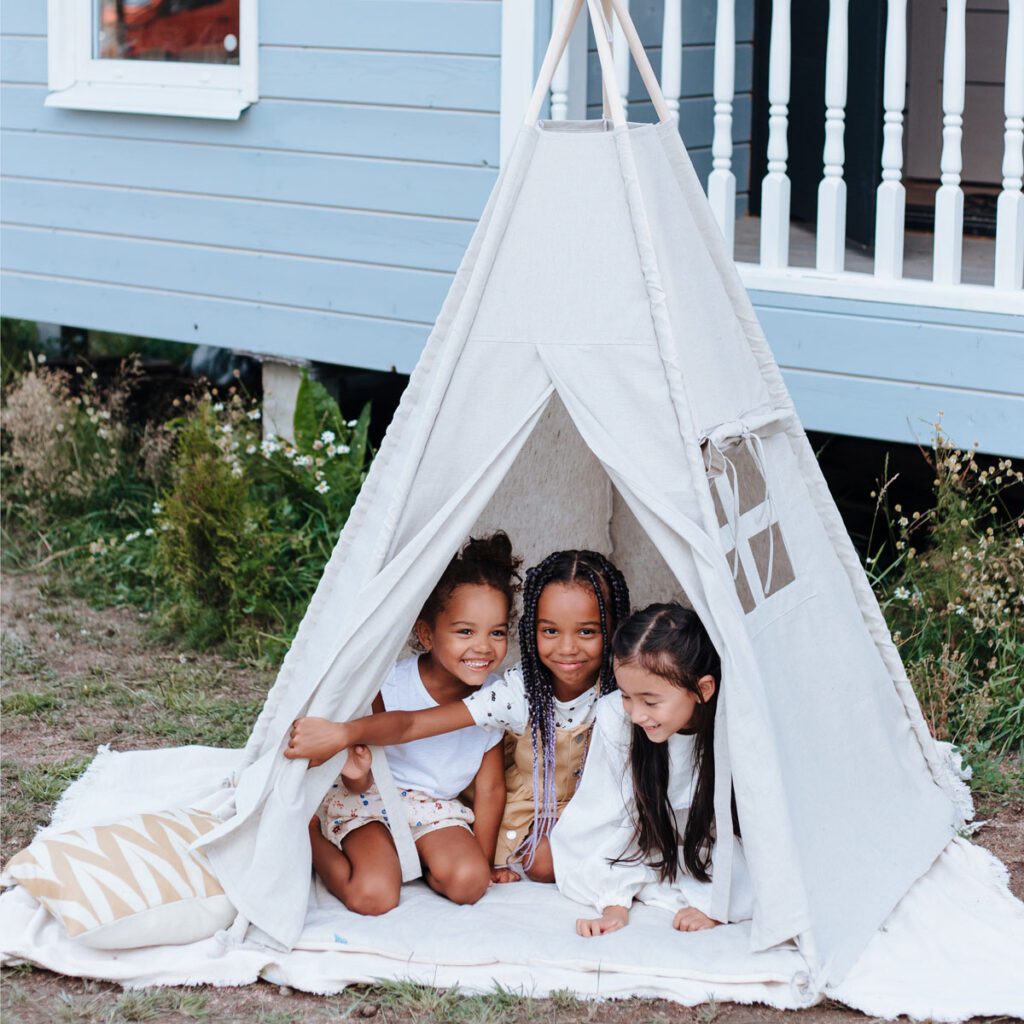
371,898
540,872
466,880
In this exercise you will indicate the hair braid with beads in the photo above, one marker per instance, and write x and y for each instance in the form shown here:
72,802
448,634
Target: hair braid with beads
585,569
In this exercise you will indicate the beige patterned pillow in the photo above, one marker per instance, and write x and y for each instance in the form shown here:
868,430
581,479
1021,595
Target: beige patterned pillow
128,884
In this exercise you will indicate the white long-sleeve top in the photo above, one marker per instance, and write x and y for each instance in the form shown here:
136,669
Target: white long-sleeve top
597,827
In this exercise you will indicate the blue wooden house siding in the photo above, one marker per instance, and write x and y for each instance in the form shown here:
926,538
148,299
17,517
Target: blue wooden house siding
326,222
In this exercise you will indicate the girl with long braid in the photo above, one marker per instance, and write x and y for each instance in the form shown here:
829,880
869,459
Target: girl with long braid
642,824
572,602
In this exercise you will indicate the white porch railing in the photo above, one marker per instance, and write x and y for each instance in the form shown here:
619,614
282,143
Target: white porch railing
773,271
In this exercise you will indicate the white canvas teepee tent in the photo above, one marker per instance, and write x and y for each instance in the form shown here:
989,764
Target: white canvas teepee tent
597,378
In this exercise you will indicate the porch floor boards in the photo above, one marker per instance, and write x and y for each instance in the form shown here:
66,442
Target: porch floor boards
978,261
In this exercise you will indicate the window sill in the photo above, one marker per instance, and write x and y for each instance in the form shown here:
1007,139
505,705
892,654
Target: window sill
170,101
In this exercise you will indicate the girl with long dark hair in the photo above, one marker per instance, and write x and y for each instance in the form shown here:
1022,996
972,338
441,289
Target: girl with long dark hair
642,824
572,601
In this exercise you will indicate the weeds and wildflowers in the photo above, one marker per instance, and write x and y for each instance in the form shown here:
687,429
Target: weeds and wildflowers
220,531
223,533
954,598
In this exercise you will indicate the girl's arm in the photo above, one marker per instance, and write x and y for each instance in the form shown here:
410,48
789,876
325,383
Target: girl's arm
595,830
319,739
489,808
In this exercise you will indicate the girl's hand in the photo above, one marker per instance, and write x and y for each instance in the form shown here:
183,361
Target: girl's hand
502,875
611,920
356,772
690,919
316,739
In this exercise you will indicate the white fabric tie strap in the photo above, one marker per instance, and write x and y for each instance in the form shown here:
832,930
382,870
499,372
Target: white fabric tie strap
397,821
725,841
717,446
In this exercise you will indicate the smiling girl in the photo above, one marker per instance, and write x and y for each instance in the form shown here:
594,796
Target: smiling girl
571,603
642,824
463,632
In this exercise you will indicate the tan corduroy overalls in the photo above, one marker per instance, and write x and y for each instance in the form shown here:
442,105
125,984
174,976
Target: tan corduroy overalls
570,753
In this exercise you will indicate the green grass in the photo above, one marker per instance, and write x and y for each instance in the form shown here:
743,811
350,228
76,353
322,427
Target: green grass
28,703
44,783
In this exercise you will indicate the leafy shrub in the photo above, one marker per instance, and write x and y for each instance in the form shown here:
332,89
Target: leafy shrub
954,598
247,525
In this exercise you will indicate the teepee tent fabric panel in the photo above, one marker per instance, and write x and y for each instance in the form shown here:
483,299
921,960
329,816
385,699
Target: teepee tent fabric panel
262,855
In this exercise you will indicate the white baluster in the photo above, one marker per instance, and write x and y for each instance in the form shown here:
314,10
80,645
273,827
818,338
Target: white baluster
722,182
831,237
949,200
1010,208
620,50
672,56
775,187
560,79
890,201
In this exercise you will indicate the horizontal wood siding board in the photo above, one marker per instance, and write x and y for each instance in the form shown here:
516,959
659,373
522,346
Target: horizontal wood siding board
191,270
830,306
740,165
696,119
360,183
23,60
427,26
698,21
409,79
697,73
906,413
23,17
940,355
250,326
415,242
383,132
344,76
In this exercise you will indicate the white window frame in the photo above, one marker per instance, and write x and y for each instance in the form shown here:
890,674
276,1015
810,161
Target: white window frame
79,81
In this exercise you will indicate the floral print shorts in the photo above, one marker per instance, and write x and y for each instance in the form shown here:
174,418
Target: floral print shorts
343,812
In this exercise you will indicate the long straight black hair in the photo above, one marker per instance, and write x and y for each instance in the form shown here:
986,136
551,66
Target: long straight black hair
670,641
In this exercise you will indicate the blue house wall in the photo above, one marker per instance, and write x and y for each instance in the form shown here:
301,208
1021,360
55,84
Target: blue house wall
327,221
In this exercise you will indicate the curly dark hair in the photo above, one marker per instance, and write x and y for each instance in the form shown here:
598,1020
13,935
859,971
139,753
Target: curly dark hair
483,561
586,569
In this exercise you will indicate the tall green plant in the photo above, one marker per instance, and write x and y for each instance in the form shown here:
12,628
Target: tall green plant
954,597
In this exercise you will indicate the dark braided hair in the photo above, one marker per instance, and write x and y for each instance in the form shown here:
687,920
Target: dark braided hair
586,569
484,561
670,641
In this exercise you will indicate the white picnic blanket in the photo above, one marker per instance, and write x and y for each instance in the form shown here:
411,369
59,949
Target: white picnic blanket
952,948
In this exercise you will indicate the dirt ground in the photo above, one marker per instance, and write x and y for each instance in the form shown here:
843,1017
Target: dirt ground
75,677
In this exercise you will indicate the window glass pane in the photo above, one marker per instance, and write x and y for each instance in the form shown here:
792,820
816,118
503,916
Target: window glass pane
195,31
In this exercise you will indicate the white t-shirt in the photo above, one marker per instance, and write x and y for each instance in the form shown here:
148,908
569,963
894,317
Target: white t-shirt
442,766
503,706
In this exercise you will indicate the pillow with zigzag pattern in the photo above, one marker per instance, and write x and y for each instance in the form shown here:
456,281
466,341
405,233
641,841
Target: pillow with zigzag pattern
131,883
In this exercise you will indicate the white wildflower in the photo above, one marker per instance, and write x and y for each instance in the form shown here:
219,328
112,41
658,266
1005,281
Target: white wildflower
218,407
352,423
41,358
343,449
318,444
134,535
149,531
327,437
901,594
959,610
304,460
250,449
157,508
253,414
323,487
